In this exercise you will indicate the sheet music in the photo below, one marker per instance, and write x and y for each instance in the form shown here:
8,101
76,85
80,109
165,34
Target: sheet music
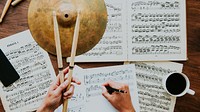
142,30
35,69
156,30
152,96
93,79
113,42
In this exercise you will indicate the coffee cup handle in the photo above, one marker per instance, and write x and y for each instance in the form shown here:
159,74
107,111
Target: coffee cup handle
191,92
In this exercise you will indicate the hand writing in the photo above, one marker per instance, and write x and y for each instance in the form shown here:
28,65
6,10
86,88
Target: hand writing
121,101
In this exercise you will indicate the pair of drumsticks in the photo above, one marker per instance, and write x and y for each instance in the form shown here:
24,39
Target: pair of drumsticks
7,6
59,53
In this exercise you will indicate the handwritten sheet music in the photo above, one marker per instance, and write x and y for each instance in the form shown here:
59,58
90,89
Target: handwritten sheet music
152,96
142,30
35,69
91,81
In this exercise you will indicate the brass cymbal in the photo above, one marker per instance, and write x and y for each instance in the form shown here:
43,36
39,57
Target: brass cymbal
93,20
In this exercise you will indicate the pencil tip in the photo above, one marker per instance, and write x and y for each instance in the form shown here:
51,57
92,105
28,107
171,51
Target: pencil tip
0,20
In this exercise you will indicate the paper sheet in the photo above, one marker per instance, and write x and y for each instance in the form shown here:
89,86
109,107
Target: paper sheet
92,79
35,69
142,30
152,96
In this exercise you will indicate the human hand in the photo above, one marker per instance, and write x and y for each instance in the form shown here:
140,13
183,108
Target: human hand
55,94
121,101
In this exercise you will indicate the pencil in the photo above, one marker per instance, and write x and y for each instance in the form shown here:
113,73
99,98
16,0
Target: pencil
111,90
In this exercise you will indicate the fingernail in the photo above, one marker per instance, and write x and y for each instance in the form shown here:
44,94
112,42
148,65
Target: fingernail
65,94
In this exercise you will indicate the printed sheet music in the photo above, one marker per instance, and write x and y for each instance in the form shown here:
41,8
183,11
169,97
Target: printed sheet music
35,69
142,30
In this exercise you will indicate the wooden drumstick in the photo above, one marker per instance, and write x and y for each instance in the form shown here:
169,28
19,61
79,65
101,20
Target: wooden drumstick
16,2
5,10
58,47
73,53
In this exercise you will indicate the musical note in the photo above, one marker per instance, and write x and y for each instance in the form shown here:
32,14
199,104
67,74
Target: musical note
145,31
159,27
152,95
155,5
156,49
141,39
114,12
93,79
155,17
114,27
35,69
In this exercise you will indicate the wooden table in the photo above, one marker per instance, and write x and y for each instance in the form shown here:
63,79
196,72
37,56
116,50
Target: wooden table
16,21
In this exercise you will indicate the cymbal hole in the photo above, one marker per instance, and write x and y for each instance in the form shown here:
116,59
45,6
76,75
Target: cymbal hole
66,15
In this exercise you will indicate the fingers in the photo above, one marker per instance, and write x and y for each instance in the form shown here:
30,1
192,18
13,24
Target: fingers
66,70
69,93
117,85
62,87
112,84
105,93
55,83
76,80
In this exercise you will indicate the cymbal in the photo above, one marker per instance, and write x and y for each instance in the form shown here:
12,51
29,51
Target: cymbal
93,20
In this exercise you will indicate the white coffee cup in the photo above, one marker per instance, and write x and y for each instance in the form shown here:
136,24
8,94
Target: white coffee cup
177,84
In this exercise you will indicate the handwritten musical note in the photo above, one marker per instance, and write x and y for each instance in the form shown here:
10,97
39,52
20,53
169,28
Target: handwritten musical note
93,79
89,93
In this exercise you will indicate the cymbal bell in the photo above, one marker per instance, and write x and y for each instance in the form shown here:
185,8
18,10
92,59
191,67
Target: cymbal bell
93,20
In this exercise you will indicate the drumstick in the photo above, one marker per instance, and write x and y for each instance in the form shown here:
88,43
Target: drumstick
15,2
73,53
5,10
58,47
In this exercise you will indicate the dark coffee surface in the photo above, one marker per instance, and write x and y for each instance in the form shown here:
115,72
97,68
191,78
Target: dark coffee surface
176,83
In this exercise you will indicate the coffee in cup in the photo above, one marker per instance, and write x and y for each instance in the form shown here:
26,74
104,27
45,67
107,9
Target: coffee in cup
177,84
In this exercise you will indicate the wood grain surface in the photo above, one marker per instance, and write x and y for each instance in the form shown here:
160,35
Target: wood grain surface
16,21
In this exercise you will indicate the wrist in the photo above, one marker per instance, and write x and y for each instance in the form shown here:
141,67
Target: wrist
128,110
44,108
